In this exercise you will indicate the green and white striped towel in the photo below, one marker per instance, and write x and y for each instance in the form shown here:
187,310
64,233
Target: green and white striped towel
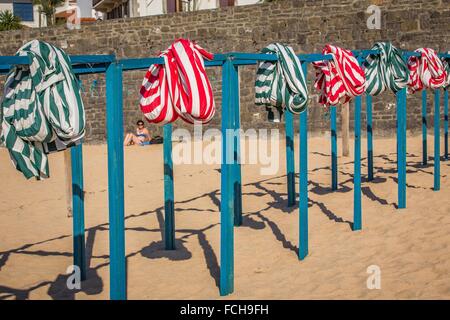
446,63
281,84
387,69
42,110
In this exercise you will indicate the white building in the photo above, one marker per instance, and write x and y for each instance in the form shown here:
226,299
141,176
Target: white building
138,8
82,9
25,10
29,13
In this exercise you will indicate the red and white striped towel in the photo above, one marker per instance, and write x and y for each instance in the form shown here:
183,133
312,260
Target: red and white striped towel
426,71
339,79
180,87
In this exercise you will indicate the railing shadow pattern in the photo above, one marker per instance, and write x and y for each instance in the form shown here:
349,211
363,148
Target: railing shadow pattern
258,220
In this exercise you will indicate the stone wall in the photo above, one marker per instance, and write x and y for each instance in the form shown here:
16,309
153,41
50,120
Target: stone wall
306,25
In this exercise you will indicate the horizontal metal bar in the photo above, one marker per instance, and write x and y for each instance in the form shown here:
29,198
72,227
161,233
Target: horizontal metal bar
145,63
240,62
213,63
311,57
92,59
362,53
239,58
4,69
408,54
140,63
8,60
253,56
84,70
365,53
81,68
219,57
84,64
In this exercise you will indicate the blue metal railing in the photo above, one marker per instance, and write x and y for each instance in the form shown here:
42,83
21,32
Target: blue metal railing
231,195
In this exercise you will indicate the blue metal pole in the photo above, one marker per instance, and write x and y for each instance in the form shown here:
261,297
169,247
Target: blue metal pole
401,147
290,167
437,142
227,198
114,129
334,174
169,220
357,168
446,123
424,128
237,182
79,247
369,111
303,189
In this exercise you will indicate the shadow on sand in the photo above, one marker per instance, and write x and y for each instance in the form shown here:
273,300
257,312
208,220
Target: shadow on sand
93,285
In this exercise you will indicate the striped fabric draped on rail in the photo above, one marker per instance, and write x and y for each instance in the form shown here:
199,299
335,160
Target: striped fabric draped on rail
426,71
180,87
281,84
387,69
339,79
446,63
42,110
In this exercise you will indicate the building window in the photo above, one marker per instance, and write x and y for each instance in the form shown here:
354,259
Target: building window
121,11
227,3
23,10
174,6
126,9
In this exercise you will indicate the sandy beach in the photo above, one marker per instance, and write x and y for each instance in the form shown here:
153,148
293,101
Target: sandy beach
411,246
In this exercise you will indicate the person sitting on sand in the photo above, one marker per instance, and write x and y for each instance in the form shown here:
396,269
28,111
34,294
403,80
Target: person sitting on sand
142,135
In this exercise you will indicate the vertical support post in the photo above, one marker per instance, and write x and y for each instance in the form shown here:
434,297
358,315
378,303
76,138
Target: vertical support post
169,215
357,168
227,194
303,189
424,128
334,173
345,129
446,123
290,166
237,182
68,181
437,142
401,147
114,127
369,112
79,247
